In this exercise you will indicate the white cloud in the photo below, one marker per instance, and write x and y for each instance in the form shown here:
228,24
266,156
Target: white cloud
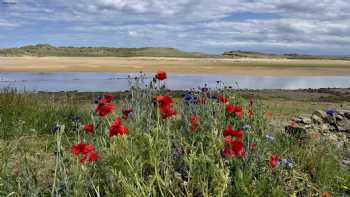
133,33
193,24
5,23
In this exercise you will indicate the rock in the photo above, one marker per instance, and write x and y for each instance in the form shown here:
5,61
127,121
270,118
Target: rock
344,126
324,128
315,119
348,135
340,112
318,125
308,126
297,132
302,120
321,114
333,138
305,120
346,113
339,117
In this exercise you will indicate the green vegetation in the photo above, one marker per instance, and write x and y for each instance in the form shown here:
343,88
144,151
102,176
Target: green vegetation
252,54
43,50
158,157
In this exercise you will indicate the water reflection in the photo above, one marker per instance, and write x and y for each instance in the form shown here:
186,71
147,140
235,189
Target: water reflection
81,81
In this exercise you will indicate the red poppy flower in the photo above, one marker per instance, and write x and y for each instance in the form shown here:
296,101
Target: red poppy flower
230,109
274,160
167,112
89,128
117,121
325,194
161,75
238,111
122,130
252,145
228,140
294,124
269,114
233,147
194,123
102,101
104,109
237,147
108,97
90,157
164,101
230,132
81,148
165,109
117,128
126,113
228,152
222,99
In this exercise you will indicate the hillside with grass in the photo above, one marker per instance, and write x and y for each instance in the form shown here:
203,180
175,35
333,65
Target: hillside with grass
43,50
47,50
253,54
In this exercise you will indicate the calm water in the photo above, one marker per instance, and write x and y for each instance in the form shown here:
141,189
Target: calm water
81,81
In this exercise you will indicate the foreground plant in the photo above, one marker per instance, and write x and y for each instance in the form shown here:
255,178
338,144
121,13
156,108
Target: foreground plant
209,143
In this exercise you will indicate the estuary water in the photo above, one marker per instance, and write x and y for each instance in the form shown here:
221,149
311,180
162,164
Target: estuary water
96,82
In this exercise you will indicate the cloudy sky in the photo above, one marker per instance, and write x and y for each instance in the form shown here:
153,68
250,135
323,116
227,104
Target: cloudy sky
213,26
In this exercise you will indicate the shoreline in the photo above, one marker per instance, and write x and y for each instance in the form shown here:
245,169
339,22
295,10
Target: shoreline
341,92
241,66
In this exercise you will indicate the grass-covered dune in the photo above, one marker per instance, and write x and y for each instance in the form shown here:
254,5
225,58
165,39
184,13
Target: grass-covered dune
252,54
44,50
70,144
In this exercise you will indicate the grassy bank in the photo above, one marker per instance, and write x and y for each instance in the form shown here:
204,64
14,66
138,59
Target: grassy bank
164,157
46,50
39,112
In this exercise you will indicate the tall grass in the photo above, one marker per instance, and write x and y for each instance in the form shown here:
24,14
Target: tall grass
30,113
157,157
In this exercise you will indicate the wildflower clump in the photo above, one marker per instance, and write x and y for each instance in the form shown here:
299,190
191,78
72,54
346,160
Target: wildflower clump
207,142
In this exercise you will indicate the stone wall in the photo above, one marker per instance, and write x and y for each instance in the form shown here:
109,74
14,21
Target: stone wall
331,123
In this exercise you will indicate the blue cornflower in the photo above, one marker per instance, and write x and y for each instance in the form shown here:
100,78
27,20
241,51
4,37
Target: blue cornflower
61,188
247,127
214,97
75,118
188,98
288,163
331,111
56,128
269,136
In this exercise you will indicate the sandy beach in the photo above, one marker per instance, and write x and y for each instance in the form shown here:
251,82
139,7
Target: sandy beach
243,66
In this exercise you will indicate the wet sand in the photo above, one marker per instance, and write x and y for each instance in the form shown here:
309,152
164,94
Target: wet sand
242,66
